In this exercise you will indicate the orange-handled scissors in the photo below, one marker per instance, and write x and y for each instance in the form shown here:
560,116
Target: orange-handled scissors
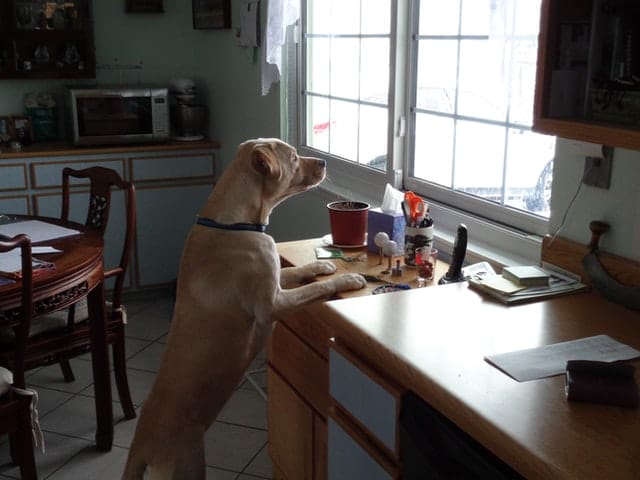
416,206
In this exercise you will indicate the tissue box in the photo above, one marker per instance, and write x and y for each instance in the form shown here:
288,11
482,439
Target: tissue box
391,223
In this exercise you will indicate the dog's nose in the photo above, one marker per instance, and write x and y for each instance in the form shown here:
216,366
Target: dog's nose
321,163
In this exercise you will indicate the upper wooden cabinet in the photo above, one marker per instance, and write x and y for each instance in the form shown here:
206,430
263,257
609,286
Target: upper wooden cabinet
588,76
46,39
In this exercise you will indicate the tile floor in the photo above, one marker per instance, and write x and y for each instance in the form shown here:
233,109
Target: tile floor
236,445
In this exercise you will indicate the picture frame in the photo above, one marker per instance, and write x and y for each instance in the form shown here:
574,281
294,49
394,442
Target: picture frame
211,14
22,129
6,132
144,6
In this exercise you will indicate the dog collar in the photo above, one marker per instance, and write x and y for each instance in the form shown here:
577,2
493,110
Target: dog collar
250,227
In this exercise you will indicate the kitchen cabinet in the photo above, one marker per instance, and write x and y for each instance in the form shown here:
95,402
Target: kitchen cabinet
46,39
172,183
588,72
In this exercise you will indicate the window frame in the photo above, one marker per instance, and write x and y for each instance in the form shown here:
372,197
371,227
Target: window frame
514,236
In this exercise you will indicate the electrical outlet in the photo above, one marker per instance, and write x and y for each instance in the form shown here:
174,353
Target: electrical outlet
597,170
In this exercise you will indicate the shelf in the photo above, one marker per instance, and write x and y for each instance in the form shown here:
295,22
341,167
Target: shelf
588,72
55,40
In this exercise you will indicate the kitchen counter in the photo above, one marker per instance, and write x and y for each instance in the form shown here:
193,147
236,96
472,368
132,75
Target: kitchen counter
61,149
433,341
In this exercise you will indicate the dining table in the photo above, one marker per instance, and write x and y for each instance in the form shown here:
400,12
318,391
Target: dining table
75,271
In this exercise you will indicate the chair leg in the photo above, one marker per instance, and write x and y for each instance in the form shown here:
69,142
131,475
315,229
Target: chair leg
120,372
67,372
21,442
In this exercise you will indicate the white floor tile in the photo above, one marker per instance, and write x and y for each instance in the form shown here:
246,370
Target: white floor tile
148,358
91,464
246,408
51,377
261,465
232,447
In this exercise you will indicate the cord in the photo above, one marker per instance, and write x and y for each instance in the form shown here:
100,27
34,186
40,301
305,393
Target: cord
575,196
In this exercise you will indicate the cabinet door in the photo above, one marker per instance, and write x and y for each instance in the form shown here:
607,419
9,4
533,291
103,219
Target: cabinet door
165,217
290,430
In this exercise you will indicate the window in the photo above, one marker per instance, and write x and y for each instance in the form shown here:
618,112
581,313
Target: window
437,96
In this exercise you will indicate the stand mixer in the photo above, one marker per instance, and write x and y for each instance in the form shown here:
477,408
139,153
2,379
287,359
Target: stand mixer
187,117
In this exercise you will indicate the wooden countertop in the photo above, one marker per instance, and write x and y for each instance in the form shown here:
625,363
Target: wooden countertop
433,341
59,149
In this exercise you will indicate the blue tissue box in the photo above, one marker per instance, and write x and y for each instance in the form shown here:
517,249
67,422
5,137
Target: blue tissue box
391,223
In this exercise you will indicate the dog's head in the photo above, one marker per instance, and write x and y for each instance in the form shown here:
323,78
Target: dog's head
281,170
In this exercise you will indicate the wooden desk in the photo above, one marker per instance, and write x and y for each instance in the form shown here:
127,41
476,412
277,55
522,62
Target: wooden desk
432,341
78,273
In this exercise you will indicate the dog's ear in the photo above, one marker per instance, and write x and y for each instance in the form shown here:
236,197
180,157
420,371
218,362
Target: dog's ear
264,161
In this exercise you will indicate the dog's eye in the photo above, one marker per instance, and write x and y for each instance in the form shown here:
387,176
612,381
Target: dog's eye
294,157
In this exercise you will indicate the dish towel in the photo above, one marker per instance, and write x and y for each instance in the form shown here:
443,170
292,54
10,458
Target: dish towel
280,14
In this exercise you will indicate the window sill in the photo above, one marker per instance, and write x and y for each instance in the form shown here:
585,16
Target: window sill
487,241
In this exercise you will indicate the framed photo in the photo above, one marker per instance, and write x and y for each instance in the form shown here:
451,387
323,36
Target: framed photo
22,129
144,6
211,14
6,133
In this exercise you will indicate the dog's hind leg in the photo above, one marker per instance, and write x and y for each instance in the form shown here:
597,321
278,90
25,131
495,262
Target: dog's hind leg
294,276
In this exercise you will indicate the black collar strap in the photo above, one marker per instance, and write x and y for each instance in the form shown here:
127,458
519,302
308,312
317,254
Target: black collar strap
250,227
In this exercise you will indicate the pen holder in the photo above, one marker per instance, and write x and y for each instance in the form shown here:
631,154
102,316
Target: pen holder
416,237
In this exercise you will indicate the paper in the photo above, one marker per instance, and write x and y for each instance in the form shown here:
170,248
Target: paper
549,360
37,230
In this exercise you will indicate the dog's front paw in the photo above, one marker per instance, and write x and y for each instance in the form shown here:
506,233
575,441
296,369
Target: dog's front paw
320,267
350,281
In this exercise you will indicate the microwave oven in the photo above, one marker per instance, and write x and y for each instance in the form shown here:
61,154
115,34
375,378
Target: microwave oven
98,115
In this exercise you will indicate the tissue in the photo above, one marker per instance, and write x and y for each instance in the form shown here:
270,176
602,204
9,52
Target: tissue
392,200
388,218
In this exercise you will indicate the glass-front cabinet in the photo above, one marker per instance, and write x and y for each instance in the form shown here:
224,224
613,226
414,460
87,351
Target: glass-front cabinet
46,39
588,76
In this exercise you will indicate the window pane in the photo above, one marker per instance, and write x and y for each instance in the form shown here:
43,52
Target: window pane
434,149
345,60
436,86
529,171
523,82
374,74
373,136
479,159
439,17
476,17
376,16
318,61
345,16
318,16
482,82
318,123
343,140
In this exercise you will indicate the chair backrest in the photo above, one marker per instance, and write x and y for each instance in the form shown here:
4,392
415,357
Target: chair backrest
102,180
20,319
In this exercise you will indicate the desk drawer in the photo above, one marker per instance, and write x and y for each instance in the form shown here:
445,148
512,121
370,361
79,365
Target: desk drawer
301,366
347,459
371,401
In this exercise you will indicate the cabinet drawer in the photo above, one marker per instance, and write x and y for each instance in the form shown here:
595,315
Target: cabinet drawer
13,177
300,366
371,401
183,167
49,174
348,460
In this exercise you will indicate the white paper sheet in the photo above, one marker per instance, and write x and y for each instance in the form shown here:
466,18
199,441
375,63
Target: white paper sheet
38,231
549,360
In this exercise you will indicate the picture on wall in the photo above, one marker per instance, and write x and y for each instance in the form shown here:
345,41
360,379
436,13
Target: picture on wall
211,14
5,130
22,129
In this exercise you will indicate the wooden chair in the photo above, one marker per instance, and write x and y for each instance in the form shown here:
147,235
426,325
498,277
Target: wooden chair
15,406
102,181
62,335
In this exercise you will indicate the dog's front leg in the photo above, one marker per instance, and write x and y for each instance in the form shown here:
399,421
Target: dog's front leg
295,297
294,276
